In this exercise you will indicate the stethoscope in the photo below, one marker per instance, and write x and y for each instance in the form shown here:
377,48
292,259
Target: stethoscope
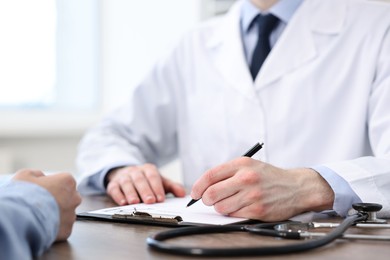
365,218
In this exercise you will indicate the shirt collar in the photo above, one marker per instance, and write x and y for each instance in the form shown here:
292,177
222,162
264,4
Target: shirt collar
283,9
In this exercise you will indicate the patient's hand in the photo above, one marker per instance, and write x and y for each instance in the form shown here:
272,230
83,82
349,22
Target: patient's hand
63,188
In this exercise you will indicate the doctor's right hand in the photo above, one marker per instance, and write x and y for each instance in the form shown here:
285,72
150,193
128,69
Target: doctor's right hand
143,183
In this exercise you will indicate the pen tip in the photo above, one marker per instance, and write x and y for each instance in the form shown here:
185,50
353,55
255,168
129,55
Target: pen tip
191,202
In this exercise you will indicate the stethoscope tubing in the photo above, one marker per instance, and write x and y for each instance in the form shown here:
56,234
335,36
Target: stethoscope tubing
156,241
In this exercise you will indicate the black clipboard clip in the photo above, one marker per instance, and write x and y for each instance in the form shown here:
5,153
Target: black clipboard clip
145,216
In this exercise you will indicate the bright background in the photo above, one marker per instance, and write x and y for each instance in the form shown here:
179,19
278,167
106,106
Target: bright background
66,63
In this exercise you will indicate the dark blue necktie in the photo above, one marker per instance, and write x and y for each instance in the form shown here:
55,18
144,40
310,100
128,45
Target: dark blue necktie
266,23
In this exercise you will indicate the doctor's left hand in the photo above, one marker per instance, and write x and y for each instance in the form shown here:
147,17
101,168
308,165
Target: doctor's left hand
143,183
249,188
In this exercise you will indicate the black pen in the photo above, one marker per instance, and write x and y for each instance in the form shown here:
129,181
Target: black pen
249,153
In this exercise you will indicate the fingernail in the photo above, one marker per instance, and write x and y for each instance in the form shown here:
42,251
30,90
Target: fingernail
149,198
159,198
122,202
132,200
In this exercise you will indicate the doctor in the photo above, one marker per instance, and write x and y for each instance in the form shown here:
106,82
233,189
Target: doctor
319,102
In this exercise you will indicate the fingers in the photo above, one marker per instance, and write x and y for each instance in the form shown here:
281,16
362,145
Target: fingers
134,184
234,197
66,225
264,211
233,193
220,191
123,192
27,174
65,178
264,192
209,178
155,183
142,183
175,188
63,188
217,174
68,216
121,188
68,204
254,211
240,202
238,188
37,173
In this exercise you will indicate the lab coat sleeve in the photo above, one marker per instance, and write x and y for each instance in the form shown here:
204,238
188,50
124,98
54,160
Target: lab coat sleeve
29,220
344,196
143,130
369,177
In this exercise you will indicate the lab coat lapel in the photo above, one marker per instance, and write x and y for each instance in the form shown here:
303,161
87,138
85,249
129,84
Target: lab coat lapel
297,46
227,53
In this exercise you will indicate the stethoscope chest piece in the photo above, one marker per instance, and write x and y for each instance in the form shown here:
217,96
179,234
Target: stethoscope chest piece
370,209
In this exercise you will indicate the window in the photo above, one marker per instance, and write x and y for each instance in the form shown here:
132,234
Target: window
27,51
49,54
49,66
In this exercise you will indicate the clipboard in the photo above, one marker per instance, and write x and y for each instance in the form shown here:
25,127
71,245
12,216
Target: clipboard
171,212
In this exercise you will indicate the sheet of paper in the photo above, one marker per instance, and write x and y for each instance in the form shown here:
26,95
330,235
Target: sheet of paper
196,213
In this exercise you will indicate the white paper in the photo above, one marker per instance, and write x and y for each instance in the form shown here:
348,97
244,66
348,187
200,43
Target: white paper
196,213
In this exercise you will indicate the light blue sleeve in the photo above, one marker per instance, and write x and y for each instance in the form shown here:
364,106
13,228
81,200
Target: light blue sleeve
29,220
94,184
344,195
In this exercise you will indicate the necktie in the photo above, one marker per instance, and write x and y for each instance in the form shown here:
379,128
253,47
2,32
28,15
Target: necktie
266,23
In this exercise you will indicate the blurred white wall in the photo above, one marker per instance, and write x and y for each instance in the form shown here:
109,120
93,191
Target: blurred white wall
134,34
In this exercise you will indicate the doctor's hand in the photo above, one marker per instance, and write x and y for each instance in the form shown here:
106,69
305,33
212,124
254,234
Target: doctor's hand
63,188
143,183
249,188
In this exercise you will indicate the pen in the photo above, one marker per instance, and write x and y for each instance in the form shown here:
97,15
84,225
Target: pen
249,153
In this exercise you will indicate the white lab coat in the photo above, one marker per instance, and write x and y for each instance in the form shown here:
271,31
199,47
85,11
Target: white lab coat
322,97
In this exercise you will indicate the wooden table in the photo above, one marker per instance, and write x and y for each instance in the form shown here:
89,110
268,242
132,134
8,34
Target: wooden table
107,240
